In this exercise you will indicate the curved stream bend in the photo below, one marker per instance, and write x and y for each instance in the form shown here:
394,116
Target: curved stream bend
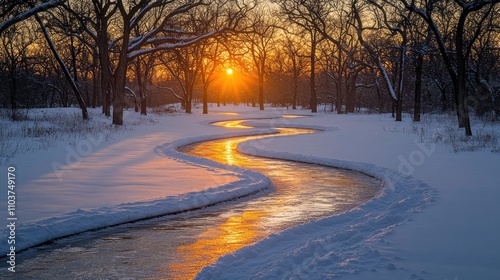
179,246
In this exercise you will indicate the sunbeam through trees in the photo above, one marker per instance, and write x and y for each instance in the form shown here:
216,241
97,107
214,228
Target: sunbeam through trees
394,56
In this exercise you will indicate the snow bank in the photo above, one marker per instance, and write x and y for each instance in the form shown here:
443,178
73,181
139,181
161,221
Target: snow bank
81,220
332,246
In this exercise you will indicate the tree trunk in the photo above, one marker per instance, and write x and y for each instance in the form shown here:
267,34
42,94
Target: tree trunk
418,87
351,94
73,59
402,69
295,90
261,93
338,101
94,88
399,110
188,105
140,84
313,101
120,78
338,104
105,79
118,98
13,91
144,104
205,99
102,45
460,83
261,85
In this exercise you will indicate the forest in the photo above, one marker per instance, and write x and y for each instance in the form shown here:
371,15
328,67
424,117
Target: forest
392,56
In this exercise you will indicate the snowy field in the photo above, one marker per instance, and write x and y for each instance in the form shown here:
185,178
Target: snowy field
436,219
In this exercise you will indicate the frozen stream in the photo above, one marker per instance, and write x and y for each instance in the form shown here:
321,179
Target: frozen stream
179,246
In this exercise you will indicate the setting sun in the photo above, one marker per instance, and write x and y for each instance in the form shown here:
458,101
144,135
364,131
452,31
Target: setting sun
229,71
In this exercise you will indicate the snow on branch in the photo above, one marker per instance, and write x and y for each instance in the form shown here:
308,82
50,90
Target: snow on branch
29,13
361,85
148,39
127,88
138,42
181,42
172,91
387,80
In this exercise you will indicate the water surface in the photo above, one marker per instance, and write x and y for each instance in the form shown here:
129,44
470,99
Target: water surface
179,246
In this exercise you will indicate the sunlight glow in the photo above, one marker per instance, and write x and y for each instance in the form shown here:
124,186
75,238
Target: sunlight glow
233,234
228,113
229,153
232,124
229,71
236,229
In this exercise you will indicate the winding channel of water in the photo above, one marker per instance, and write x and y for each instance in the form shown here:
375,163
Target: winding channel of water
179,246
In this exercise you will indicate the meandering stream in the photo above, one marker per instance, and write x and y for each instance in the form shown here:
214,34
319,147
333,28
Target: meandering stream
179,246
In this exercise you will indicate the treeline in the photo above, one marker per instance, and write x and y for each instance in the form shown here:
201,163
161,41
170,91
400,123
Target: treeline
393,55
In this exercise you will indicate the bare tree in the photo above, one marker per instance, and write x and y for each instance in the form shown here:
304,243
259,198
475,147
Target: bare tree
208,67
307,15
65,70
390,24
293,47
484,67
14,45
471,17
184,65
420,45
21,11
260,44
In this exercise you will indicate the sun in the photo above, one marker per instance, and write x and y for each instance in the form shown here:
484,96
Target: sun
229,71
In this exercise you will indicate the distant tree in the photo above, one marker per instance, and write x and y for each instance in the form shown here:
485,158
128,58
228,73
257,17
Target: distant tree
14,54
307,15
204,19
295,62
184,65
484,68
210,63
144,67
420,45
260,44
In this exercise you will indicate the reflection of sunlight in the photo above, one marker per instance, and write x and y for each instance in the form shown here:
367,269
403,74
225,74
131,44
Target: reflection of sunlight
235,233
296,201
292,116
232,124
228,113
228,153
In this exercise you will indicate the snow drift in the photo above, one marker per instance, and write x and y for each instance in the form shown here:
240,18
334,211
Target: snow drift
332,246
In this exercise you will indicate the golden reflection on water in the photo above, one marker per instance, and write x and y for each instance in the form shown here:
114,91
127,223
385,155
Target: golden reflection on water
228,113
234,234
296,200
229,153
292,116
232,124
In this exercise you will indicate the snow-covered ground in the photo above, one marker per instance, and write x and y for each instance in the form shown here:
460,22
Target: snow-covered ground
456,238
436,219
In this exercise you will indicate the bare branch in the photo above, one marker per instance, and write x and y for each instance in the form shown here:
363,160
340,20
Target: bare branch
29,13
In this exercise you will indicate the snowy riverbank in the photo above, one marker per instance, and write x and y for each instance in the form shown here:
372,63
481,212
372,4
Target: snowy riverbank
455,238
90,183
